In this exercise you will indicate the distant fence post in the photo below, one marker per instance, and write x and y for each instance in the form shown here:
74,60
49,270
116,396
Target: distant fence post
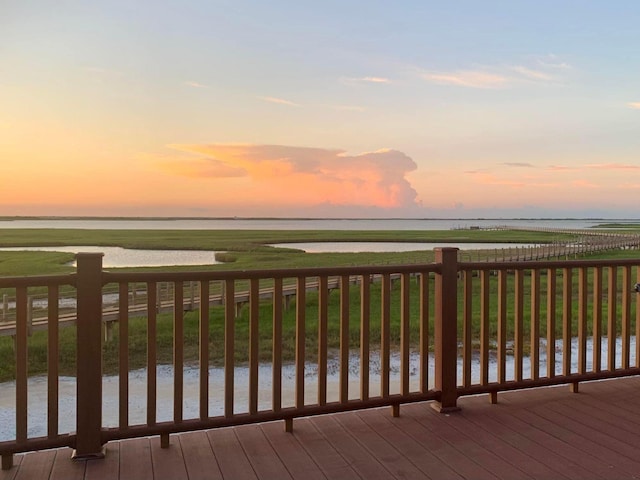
89,357
446,329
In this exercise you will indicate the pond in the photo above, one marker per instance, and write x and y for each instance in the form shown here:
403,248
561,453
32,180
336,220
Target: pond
356,247
128,257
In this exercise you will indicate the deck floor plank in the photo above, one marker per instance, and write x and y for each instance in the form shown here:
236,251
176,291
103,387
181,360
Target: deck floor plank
231,456
540,434
36,465
321,449
561,467
260,453
441,426
11,474
380,448
294,457
199,458
169,461
607,449
135,459
107,468
415,449
530,466
63,469
357,456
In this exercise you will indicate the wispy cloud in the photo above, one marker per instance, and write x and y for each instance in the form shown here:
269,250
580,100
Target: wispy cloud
560,167
551,61
467,78
613,166
348,108
191,83
375,80
531,74
305,176
519,164
361,80
634,105
280,101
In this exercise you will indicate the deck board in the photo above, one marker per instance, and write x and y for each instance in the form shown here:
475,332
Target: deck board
533,434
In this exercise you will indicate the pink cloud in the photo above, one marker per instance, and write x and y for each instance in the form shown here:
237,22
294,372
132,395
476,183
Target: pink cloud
308,176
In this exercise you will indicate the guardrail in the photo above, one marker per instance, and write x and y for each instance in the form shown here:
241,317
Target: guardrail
450,329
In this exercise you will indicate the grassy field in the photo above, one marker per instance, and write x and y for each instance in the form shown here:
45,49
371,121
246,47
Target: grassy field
251,254
249,248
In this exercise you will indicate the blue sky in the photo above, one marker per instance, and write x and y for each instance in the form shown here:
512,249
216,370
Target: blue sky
151,108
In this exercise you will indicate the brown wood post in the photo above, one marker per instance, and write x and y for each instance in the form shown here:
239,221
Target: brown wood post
446,329
89,357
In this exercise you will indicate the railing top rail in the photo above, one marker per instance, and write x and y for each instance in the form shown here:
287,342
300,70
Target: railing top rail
38,280
109,277
540,264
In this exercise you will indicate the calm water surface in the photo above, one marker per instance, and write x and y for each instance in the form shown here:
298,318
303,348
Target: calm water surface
296,224
355,247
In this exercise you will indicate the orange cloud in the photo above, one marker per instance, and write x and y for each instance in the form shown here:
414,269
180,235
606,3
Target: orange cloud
307,176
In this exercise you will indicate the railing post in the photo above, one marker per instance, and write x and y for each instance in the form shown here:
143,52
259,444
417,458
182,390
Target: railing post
89,357
446,329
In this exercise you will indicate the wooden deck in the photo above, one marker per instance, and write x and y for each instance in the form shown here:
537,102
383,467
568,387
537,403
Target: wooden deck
548,433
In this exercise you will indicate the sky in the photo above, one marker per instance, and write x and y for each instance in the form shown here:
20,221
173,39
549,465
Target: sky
368,109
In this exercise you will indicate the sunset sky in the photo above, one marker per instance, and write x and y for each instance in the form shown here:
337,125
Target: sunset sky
310,109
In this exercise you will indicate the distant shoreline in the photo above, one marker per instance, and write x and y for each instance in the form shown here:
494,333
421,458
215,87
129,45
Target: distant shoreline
143,218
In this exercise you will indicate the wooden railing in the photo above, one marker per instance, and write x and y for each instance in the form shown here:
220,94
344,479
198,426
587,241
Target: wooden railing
446,330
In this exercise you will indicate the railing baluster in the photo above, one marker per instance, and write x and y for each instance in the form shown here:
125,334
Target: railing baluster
535,324
276,378
344,338
612,317
301,288
365,326
203,355
178,351
385,334
424,332
551,322
597,319
22,362
502,326
518,349
152,301
53,334
254,339
582,319
405,288
229,350
637,295
123,355
467,327
484,327
626,316
567,287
